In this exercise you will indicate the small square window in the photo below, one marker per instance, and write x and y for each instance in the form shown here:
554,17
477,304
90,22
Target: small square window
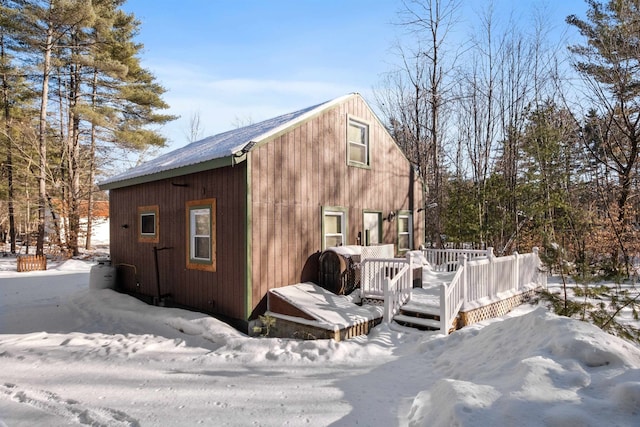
357,143
148,224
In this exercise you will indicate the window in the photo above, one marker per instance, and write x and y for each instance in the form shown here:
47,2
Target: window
404,232
357,143
148,224
201,229
201,234
334,227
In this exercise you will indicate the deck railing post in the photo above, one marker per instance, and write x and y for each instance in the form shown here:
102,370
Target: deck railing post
410,256
491,276
364,281
540,275
518,285
387,300
462,261
444,311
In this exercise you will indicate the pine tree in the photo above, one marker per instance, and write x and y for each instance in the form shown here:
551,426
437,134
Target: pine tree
610,65
122,97
79,57
9,82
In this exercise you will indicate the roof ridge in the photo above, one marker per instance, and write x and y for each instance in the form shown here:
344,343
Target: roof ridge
219,146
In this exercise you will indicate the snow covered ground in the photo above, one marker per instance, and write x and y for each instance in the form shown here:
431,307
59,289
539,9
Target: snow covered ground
70,355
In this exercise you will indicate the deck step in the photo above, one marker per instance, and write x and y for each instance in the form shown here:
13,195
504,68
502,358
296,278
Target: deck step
417,321
421,310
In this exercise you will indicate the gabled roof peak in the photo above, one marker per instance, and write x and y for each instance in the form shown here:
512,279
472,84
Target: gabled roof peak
221,146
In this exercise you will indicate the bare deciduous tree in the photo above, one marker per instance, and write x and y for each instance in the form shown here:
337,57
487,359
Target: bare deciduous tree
194,131
416,96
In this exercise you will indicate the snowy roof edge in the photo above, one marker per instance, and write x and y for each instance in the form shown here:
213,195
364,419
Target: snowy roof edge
301,118
139,174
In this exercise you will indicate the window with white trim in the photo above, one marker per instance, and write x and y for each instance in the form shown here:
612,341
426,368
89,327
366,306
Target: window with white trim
200,234
148,224
201,230
357,143
334,225
404,232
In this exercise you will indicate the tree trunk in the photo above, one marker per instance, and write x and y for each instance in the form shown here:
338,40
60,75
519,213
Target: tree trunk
42,143
9,165
74,214
92,164
54,219
73,161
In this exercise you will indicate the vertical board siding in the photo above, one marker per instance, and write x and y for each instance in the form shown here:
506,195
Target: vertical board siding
298,172
220,292
293,175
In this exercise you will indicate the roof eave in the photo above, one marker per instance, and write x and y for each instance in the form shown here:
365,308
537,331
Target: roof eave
269,135
177,172
238,155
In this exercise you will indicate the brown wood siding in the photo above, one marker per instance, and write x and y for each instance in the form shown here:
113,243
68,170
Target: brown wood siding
221,292
298,172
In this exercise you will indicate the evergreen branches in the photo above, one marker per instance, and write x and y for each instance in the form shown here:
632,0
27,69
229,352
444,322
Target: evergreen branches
81,69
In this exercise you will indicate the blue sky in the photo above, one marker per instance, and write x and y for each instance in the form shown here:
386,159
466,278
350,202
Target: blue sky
234,61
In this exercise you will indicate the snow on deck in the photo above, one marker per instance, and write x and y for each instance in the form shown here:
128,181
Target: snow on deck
426,296
331,311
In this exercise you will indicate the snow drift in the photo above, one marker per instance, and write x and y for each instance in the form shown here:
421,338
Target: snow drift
71,355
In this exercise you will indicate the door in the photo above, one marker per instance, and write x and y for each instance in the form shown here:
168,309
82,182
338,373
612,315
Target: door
372,228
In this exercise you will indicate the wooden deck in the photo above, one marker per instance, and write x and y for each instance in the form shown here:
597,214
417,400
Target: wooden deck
308,311
442,303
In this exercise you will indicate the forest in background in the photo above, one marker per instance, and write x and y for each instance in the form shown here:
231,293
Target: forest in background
522,138
74,98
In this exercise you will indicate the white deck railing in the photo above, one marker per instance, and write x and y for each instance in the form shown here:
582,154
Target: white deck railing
389,279
447,259
397,291
451,300
373,272
477,282
482,281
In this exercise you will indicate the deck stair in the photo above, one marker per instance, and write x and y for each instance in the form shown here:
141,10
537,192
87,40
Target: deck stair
421,312
419,316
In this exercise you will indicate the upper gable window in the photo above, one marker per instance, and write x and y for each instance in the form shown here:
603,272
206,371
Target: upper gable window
357,143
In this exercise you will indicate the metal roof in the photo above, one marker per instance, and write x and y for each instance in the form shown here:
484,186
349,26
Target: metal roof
202,155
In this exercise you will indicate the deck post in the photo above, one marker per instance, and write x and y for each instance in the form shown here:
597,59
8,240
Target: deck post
409,257
462,261
490,253
492,273
517,269
444,328
541,277
387,300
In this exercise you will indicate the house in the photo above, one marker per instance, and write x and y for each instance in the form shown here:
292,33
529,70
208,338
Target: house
215,225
